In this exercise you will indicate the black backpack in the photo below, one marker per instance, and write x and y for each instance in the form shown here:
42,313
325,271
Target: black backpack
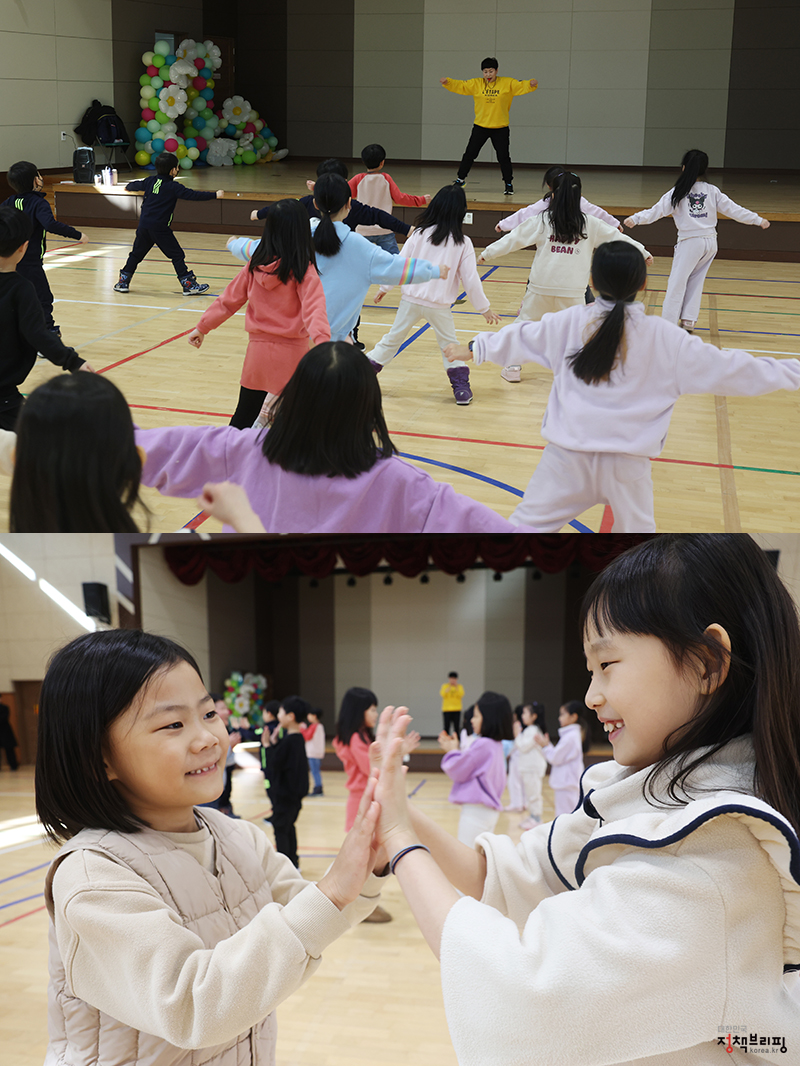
101,122
110,129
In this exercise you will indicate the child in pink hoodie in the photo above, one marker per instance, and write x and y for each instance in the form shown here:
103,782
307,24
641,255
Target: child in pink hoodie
479,772
566,757
286,312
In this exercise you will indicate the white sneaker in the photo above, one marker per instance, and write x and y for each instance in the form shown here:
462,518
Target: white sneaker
511,373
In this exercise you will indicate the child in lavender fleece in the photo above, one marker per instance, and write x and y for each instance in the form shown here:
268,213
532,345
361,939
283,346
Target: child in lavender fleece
479,772
566,757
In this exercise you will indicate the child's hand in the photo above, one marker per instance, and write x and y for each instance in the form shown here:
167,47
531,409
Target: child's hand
253,218
649,259
621,228
310,185
357,857
764,224
517,727
481,259
491,317
84,238
534,83
444,270
543,740
220,193
448,743
497,230
379,295
444,81
629,222
386,755
195,338
89,369
411,742
457,351
427,199
229,503
234,739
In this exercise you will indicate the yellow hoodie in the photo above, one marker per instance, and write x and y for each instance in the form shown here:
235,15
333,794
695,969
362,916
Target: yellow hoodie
492,100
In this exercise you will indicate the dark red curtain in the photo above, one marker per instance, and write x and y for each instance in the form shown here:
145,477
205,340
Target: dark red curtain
408,555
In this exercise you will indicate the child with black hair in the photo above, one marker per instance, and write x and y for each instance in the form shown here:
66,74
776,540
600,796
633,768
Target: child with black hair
22,323
618,374
289,774
173,928
694,204
76,467
377,189
326,465
478,772
565,239
565,757
285,309
28,185
314,737
438,238
161,194
531,763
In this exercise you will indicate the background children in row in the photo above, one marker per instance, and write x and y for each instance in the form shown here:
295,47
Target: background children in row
531,763
314,737
288,774
377,189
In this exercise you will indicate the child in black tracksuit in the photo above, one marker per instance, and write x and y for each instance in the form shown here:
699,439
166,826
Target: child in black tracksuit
22,324
161,193
289,774
26,181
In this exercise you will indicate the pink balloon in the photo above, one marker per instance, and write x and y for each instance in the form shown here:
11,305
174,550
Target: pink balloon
171,144
199,83
199,63
202,143
166,83
218,113
148,113
152,71
250,128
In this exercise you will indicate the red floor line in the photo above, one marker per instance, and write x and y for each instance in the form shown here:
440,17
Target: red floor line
607,523
25,915
161,344
180,410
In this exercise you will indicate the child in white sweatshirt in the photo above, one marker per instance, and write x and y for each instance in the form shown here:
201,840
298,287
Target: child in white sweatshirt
437,238
617,376
565,239
694,204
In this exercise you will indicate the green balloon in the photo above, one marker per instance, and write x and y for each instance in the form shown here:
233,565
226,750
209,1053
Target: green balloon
249,158
258,142
158,61
157,82
240,125
144,79
161,118
161,48
207,113
272,142
185,163
237,159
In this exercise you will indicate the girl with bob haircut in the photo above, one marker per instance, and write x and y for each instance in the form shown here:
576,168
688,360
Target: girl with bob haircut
478,771
76,467
609,357
326,465
694,205
285,307
565,239
438,237
173,927
672,890
347,262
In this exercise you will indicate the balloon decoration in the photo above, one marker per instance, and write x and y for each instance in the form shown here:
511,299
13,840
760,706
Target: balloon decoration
176,97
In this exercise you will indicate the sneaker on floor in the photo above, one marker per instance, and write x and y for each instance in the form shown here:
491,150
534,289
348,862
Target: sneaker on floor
511,373
461,182
317,792
459,382
192,287
123,285
509,189
378,915
360,345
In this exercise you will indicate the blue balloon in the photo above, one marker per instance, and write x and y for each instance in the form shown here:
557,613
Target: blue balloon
198,122
203,155
190,142
142,134
230,129
207,94
206,73
266,132
170,60
158,144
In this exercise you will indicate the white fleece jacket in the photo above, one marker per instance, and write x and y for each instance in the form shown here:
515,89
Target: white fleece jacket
629,413
632,934
696,214
532,210
442,292
558,269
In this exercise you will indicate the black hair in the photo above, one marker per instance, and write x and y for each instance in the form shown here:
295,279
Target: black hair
272,707
452,674
89,683
333,166
355,702
673,587
297,706
21,176
16,227
329,419
497,717
287,238
618,273
216,697
331,193
491,62
536,708
77,469
694,165
165,163
567,221
577,708
373,155
550,176
445,214
318,712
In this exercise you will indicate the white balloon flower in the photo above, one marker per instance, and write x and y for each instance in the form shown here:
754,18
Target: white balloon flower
172,101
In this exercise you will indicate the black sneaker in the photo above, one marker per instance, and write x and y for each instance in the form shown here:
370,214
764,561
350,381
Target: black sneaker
360,345
461,182
123,285
192,287
509,189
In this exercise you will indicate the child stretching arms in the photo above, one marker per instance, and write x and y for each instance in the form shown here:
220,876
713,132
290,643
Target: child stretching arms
617,375
565,757
438,238
285,307
694,204
505,225
685,842
173,927
378,190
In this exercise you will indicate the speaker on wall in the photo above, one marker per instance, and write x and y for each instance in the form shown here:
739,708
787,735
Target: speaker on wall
95,601
83,166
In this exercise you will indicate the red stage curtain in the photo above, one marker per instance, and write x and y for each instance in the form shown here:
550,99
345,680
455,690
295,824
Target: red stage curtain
408,555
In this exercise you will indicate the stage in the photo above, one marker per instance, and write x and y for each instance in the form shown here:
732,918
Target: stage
620,191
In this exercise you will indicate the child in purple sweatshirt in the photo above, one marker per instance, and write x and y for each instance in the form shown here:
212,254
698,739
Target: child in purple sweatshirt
566,757
479,772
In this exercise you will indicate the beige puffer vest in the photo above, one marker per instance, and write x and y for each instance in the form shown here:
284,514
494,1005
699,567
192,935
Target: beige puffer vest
213,908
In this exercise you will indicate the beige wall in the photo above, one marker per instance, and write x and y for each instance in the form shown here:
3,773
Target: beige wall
173,609
57,57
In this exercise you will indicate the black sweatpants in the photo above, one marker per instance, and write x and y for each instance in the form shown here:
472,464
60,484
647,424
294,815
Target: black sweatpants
34,272
284,815
248,407
166,240
10,407
451,721
500,142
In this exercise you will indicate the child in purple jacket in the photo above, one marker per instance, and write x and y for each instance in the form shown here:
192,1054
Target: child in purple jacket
566,757
479,772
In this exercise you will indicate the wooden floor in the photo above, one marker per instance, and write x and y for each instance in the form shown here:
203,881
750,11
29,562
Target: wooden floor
728,465
357,1007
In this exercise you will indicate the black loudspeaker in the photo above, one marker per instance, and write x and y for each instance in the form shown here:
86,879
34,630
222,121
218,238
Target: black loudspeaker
83,166
95,601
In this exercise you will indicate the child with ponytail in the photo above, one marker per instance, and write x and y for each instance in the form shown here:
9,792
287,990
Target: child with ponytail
565,238
613,394
694,204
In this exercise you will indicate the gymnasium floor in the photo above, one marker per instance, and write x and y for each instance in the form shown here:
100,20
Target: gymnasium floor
357,1008
728,464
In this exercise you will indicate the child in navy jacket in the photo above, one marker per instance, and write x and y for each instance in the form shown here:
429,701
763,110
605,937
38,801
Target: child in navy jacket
161,193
